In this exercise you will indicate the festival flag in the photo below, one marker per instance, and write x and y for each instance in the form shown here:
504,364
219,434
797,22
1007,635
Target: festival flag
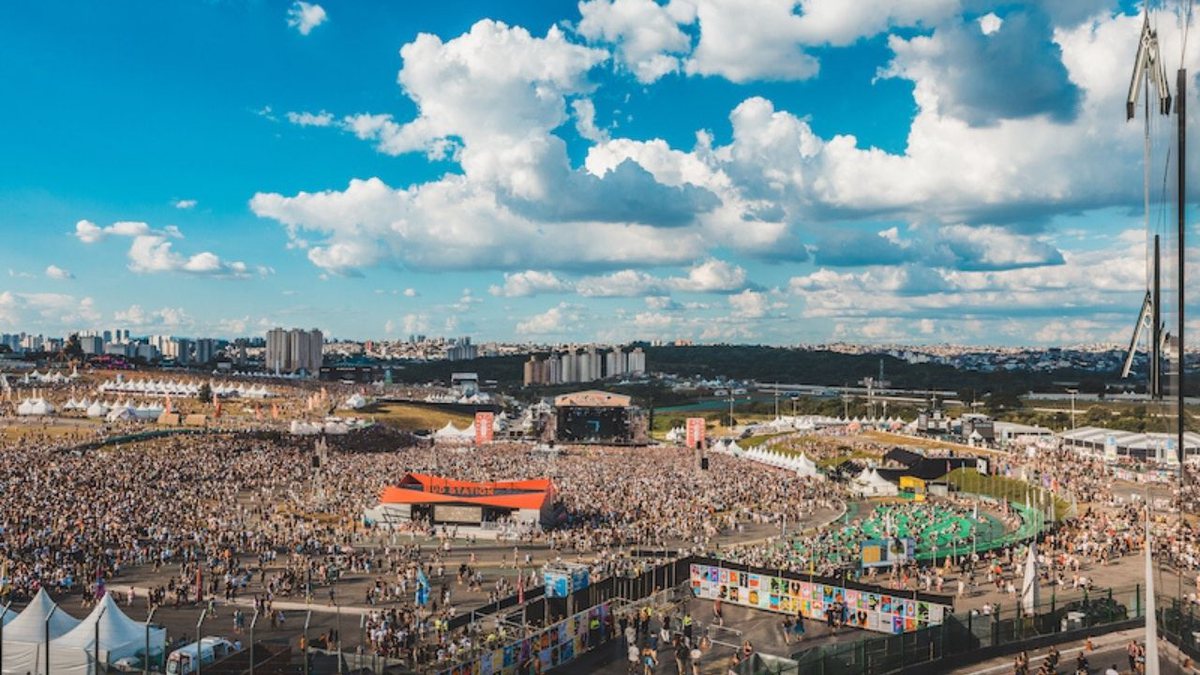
199,584
1029,587
274,411
217,408
422,588
168,410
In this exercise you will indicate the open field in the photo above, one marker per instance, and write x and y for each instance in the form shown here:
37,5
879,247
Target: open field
410,417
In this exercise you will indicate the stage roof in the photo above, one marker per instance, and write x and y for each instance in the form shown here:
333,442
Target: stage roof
419,488
593,398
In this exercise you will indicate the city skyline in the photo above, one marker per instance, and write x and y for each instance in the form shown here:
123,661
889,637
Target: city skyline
576,172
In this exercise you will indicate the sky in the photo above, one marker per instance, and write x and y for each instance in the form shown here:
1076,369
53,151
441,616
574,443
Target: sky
759,171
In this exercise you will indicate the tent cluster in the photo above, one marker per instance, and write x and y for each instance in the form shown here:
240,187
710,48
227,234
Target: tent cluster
333,426
49,377
73,642
801,464
451,434
116,411
187,389
355,401
870,484
473,399
35,406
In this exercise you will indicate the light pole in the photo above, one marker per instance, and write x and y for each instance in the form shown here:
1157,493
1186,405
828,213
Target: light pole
304,652
200,641
48,617
3,614
146,655
1073,393
253,620
338,641
96,638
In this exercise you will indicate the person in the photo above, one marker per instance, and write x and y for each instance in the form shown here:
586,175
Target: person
1052,657
1131,651
1021,664
649,661
681,656
787,629
718,618
632,653
1081,664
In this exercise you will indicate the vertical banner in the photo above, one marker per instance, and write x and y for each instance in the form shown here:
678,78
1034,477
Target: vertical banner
484,422
695,432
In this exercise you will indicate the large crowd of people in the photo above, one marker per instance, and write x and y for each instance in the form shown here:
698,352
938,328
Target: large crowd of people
214,517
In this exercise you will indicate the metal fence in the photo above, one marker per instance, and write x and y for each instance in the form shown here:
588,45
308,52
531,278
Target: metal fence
973,636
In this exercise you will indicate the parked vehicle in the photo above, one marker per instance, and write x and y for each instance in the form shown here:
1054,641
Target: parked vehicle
183,661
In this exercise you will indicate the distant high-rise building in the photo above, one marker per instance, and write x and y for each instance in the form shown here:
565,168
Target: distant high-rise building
205,350
91,344
583,366
295,350
637,362
462,350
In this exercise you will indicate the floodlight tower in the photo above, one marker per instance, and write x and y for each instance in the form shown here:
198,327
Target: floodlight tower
1149,73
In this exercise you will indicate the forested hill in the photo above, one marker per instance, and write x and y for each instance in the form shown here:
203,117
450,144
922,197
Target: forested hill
792,366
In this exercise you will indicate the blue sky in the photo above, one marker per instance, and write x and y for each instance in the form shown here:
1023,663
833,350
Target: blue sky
773,171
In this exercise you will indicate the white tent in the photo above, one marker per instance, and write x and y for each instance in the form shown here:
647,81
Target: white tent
452,434
121,413
25,636
35,407
870,483
97,409
805,466
355,401
299,428
120,637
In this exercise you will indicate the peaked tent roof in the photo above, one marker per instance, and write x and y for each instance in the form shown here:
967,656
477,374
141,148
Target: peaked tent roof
30,625
116,629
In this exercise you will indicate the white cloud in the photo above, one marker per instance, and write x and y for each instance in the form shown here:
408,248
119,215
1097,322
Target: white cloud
304,16
990,23
50,312
152,251
585,120
556,320
530,282
57,273
647,35
756,40
415,323
184,204
749,304
708,276
308,119
410,293
164,318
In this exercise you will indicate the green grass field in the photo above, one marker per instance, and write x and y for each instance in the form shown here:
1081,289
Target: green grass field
411,417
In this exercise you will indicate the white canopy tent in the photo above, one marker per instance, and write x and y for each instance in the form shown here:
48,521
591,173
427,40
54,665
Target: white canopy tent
452,434
870,483
120,637
25,636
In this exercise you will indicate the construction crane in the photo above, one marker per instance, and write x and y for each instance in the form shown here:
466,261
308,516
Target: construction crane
1149,73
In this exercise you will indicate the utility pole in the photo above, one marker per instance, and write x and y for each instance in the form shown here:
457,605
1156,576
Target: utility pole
1072,392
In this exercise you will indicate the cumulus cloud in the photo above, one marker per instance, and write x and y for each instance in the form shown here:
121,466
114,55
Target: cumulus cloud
559,319
648,38
57,273
304,16
152,251
708,276
166,318
981,77
184,204
50,312
530,282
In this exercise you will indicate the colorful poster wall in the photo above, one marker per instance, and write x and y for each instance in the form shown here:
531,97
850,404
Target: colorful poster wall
875,611
555,646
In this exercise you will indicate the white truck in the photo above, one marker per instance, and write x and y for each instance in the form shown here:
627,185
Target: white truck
183,661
